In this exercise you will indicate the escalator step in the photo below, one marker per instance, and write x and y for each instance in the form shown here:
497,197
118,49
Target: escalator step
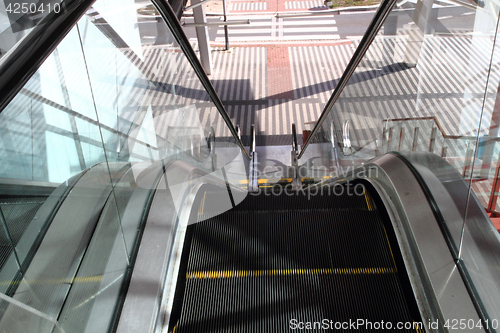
18,214
257,269
280,197
290,240
271,303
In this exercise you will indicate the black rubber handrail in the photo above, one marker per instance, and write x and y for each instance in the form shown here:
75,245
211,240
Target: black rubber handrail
372,30
19,64
295,146
462,269
252,139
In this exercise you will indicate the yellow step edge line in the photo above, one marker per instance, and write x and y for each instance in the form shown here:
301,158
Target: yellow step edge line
266,180
202,204
83,279
369,202
370,205
281,272
259,181
390,248
416,326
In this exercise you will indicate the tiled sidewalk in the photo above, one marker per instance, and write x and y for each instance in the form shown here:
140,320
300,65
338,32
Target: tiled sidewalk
279,81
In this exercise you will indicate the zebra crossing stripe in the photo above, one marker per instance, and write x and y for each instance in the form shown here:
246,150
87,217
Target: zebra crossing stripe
248,6
270,29
304,4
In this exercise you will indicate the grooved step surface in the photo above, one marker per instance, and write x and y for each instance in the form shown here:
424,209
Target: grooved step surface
280,198
273,261
18,214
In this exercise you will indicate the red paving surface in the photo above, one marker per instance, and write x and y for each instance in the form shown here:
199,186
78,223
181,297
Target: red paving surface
279,70
279,73
280,84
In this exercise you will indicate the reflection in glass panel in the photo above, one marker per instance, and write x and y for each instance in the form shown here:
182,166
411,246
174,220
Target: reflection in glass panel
429,83
17,19
91,302
480,240
84,144
421,87
73,76
149,101
17,145
62,158
50,144
9,264
48,136
23,318
90,141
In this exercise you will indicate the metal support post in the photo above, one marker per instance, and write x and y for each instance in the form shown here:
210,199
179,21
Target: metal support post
384,139
415,139
389,140
401,137
422,15
203,39
492,202
444,152
296,181
432,142
226,33
211,147
253,185
467,161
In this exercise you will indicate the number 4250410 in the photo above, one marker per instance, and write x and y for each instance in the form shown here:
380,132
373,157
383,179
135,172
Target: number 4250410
32,8
470,324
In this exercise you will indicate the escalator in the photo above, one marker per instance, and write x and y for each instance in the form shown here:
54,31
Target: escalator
151,215
18,213
280,262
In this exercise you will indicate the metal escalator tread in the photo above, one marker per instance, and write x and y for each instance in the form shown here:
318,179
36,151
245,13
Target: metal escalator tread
257,270
272,200
18,213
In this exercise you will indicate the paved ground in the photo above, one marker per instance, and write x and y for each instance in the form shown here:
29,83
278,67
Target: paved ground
292,79
283,70
286,73
278,70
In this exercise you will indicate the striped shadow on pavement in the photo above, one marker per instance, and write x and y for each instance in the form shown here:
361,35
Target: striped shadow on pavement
445,83
240,74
